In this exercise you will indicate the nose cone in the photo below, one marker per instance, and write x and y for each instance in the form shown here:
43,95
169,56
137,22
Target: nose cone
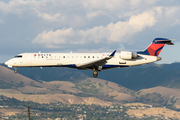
8,63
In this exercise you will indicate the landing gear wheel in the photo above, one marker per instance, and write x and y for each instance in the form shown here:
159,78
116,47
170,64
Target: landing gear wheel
95,73
15,71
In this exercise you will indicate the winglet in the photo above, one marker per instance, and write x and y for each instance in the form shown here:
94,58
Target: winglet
112,54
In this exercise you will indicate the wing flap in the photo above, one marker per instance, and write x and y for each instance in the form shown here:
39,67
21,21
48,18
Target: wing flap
95,63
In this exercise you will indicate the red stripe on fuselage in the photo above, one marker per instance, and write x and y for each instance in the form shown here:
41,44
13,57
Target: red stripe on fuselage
153,47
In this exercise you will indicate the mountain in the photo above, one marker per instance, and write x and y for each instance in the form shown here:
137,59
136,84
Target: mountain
160,95
135,78
10,80
142,78
51,73
152,84
82,91
170,67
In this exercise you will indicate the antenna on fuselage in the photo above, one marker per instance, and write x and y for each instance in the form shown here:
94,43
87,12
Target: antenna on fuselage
39,51
71,51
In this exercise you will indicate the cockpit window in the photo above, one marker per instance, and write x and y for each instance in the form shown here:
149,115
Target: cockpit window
18,56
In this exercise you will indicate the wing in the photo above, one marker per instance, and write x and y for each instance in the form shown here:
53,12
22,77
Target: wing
95,63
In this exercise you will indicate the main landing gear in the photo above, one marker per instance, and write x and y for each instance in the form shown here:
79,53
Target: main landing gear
15,71
95,73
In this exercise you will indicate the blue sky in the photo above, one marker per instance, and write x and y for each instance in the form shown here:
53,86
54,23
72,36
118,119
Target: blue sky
88,26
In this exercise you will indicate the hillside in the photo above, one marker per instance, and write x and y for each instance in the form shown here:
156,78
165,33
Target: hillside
135,78
161,95
86,91
142,78
10,80
151,84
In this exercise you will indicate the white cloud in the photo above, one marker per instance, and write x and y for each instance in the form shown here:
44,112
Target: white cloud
80,13
144,19
118,32
57,37
51,18
117,5
71,23
14,7
167,16
95,14
43,9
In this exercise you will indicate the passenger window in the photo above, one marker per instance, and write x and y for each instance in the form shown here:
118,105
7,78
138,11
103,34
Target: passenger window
63,56
88,56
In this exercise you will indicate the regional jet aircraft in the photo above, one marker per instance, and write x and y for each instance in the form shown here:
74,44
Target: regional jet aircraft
91,61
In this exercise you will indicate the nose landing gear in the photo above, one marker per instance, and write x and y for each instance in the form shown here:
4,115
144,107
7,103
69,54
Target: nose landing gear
15,71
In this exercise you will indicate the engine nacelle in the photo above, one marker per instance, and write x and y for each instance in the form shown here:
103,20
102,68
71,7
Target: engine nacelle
126,55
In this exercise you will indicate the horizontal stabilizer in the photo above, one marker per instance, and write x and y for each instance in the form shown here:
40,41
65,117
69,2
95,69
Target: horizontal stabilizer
163,41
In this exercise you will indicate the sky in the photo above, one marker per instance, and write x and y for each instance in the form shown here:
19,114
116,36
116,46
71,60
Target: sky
88,26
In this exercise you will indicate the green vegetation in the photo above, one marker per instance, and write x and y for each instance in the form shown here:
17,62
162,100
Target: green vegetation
5,85
55,86
34,85
137,93
106,83
133,78
100,85
87,87
113,96
152,98
73,111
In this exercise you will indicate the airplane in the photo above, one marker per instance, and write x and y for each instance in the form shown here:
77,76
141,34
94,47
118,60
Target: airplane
91,61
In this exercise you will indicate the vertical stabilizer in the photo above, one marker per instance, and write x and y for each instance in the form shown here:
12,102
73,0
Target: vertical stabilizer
156,46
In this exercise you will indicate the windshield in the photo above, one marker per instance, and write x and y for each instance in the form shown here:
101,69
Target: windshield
18,56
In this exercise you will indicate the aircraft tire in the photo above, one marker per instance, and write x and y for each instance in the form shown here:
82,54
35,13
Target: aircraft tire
95,73
15,71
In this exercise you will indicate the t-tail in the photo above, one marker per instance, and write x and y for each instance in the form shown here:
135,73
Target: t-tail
156,46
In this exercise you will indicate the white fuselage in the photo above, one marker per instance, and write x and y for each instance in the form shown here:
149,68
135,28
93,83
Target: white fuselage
72,60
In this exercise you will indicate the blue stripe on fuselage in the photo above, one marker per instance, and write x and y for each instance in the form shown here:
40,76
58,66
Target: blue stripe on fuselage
74,66
103,67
